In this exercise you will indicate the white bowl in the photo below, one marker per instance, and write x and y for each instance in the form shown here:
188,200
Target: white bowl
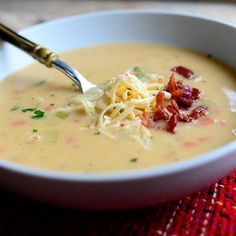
130,189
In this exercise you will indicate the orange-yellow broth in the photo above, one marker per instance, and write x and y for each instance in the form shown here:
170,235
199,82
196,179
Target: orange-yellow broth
69,145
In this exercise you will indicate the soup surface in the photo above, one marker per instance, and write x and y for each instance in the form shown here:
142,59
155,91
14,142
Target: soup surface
32,133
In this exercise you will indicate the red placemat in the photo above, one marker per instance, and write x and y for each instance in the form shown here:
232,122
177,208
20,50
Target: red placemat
211,211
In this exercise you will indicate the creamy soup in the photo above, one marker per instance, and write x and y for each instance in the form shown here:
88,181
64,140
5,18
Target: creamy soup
37,130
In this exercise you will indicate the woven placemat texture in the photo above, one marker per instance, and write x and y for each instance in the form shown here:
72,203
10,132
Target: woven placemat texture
211,211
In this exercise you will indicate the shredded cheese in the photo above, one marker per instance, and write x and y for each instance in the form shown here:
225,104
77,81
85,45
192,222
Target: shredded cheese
120,103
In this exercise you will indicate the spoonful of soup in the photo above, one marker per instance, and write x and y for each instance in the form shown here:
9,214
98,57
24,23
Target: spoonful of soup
44,56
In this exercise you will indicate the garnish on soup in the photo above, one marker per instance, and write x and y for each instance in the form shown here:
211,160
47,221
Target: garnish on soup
136,102
185,72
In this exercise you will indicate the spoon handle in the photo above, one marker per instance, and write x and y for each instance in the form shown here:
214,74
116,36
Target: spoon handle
43,55
38,52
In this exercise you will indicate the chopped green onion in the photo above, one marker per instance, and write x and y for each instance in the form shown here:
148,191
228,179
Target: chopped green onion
140,76
97,133
29,109
41,82
122,110
38,114
14,108
34,130
62,114
133,160
136,69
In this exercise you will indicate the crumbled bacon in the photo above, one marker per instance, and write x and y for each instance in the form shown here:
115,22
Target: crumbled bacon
161,112
195,93
185,72
171,109
172,123
185,102
184,95
175,106
198,112
180,108
161,115
160,100
172,85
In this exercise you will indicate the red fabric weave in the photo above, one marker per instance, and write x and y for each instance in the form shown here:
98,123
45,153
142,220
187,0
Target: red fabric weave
211,211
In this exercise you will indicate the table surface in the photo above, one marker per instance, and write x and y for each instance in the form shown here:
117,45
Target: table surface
208,212
23,13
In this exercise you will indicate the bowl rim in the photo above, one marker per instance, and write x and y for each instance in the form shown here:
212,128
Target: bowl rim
127,175
130,12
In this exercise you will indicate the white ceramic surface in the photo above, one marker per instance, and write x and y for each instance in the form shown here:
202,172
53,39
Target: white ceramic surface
131,189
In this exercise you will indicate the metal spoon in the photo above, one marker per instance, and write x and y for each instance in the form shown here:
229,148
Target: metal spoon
43,55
